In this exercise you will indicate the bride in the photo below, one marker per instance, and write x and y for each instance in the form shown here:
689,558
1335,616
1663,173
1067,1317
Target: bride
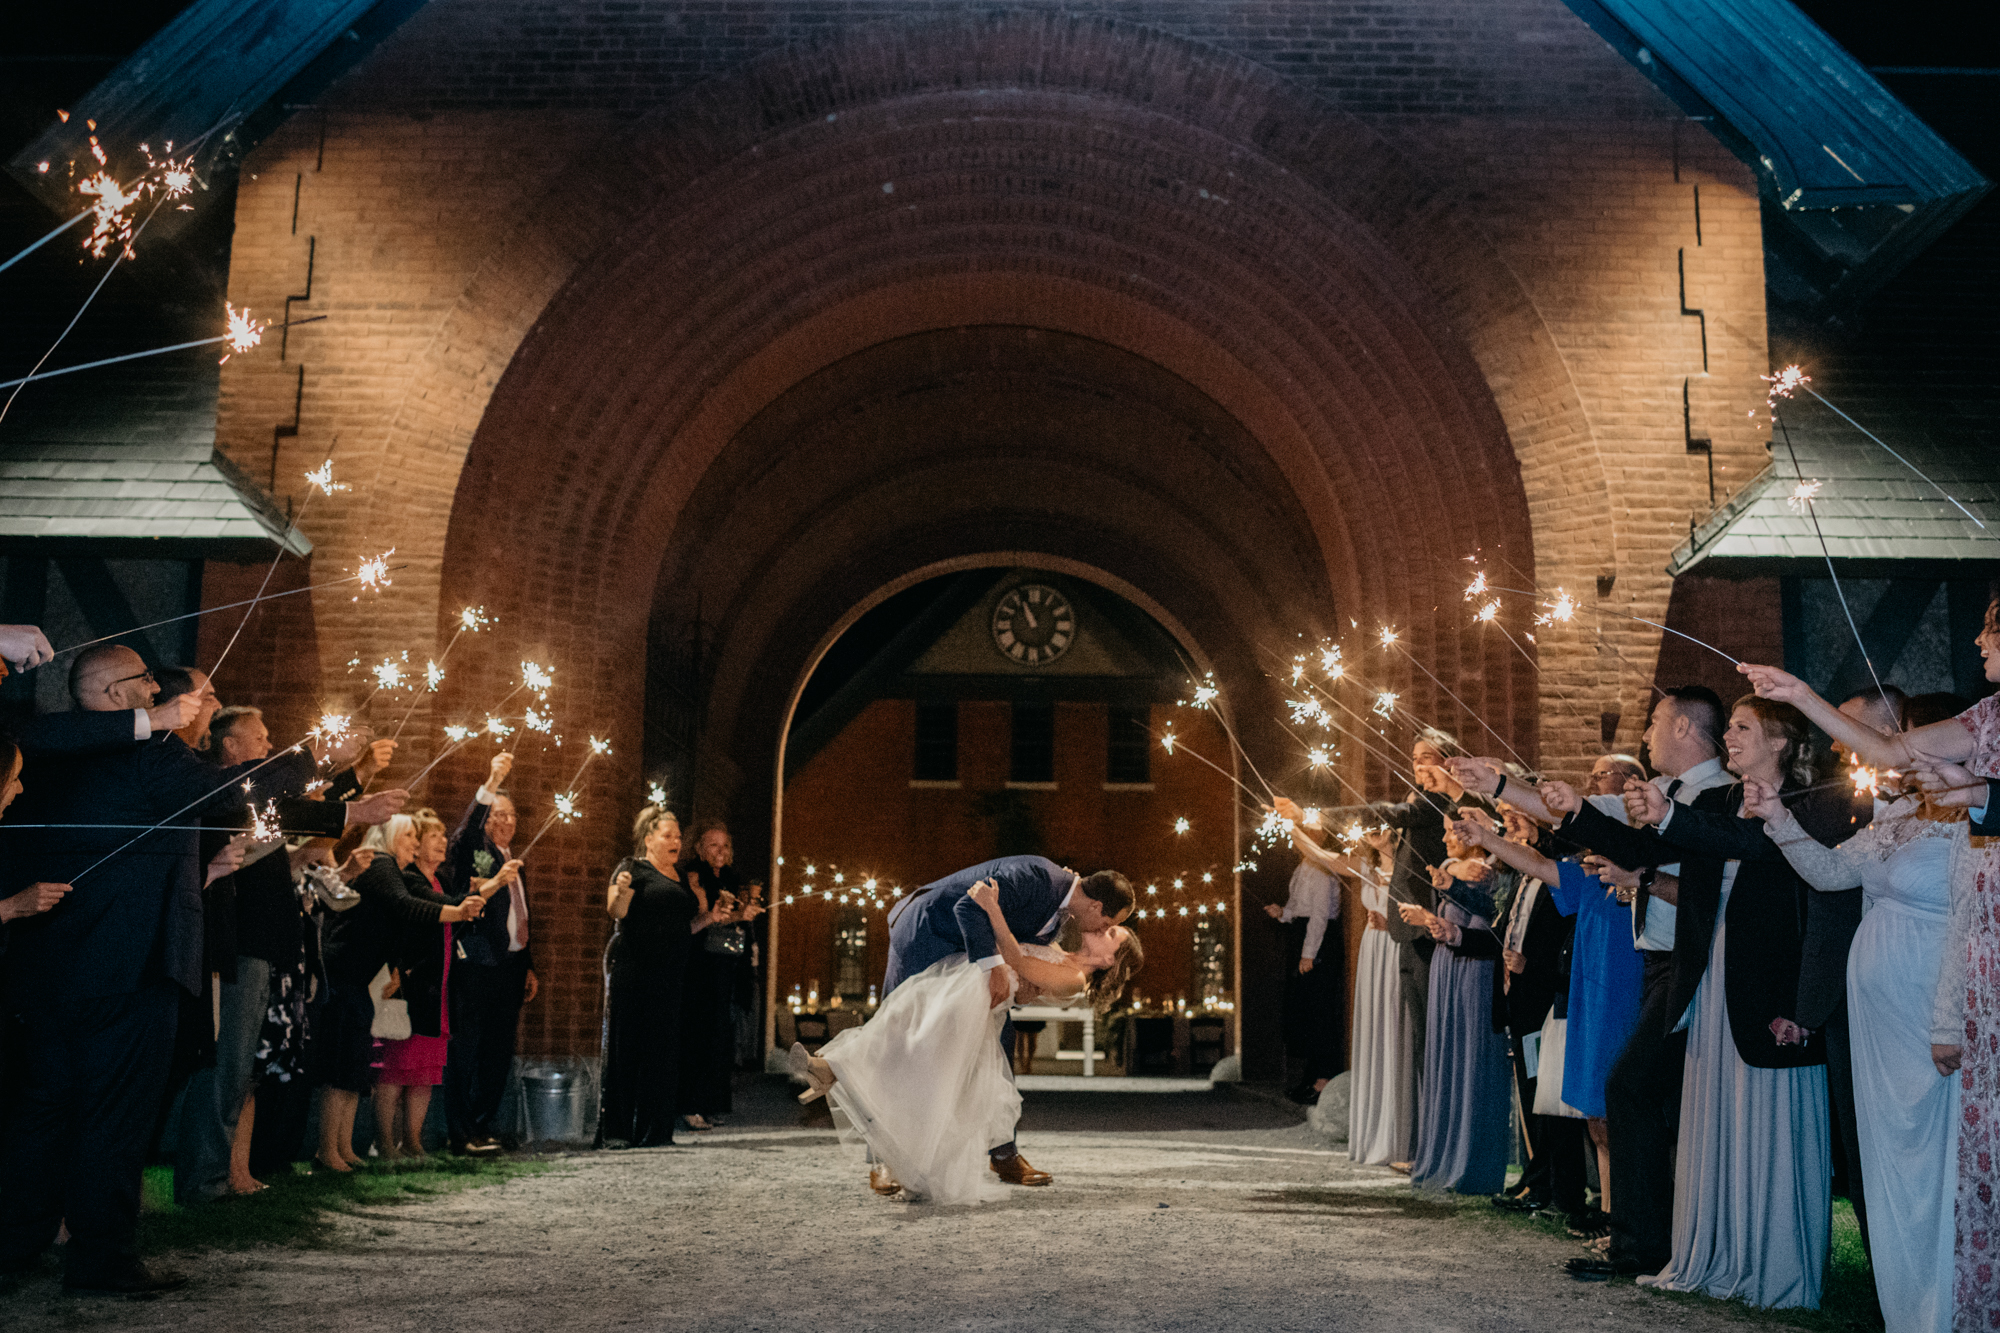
925,1085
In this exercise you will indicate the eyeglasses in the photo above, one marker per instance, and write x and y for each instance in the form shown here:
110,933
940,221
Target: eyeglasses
146,676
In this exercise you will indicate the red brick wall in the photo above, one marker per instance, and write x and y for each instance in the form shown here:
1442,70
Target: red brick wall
1427,256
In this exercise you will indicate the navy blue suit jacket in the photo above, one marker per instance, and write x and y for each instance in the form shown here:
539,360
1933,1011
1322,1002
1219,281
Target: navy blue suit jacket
940,920
138,917
482,941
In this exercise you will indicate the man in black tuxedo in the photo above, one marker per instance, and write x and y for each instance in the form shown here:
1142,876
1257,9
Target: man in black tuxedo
493,972
88,989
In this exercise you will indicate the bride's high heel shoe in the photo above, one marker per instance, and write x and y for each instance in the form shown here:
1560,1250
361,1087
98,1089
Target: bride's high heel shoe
813,1070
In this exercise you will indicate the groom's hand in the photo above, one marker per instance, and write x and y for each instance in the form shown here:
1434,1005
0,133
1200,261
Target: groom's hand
999,986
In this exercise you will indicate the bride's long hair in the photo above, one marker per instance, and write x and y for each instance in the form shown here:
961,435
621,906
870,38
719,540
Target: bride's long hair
1108,983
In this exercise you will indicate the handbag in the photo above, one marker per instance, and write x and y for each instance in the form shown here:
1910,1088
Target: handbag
392,1016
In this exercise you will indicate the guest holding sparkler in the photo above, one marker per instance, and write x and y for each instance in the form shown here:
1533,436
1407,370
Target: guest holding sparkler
658,919
1382,1082
90,988
1462,1122
1419,825
1753,1172
407,1069
496,973
361,942
708,1022
1642,1095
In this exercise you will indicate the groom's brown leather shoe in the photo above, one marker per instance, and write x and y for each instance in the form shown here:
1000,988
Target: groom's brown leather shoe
883,1181
1016,1171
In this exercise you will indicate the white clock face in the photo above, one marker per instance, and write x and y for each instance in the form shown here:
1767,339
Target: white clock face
1033,625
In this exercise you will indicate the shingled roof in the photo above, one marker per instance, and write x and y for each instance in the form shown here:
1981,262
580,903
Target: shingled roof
1871,508
130,459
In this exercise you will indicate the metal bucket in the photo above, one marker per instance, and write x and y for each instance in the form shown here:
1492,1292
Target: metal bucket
557,1103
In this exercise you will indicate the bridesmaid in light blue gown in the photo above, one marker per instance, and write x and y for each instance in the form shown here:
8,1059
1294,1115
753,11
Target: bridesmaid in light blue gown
1908,1116
1462,1138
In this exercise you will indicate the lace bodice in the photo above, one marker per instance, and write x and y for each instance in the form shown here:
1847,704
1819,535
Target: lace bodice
1900,858
1050,955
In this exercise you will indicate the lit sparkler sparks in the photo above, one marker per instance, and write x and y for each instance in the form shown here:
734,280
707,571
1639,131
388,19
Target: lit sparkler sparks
1181,825
1167,742
1802,495
1488,613
1476,588
373,574
321,479
333,726
598,747
1310,816
433,676
472,620
542,722
458,735
1387,637
264,824
540,679
1785,383
657,795
388,674
1318,757
1867,782
565,807
244,332
111,217
497,727
1561,611
1385,704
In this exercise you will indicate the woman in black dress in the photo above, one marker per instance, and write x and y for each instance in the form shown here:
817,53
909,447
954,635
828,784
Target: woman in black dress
658,918
708,999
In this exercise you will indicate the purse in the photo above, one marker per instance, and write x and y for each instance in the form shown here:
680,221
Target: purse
392,1016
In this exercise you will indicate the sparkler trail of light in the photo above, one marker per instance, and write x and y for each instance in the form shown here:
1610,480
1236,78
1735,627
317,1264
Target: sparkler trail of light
1563,610
1812,512
322,482
1893,454
1179,746
1330,659
1206,696
564,805
210,610
1393,761
1623,615
1470,711
137,838
69,327
471,620
139,356
60,229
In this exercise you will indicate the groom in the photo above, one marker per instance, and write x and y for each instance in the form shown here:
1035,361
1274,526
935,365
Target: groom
1036,897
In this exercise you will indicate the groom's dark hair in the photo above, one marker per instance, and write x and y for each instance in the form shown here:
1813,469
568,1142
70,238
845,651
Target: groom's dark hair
1112,891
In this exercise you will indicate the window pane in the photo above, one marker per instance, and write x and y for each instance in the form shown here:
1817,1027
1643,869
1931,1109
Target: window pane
1034,743
937,742
1131,746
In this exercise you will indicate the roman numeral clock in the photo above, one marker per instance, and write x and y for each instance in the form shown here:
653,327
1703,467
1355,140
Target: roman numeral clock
1033,625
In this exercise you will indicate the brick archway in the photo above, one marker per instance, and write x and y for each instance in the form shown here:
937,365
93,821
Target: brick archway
1089,178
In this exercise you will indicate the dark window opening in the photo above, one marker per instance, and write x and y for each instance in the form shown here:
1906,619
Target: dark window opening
937,742
1034,748
1130,756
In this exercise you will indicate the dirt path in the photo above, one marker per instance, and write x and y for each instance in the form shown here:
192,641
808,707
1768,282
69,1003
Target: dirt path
1197,1213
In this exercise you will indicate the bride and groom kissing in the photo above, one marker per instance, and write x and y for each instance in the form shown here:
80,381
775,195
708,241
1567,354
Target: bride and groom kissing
927,1085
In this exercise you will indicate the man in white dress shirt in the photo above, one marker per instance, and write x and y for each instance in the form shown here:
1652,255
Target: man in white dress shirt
1312,978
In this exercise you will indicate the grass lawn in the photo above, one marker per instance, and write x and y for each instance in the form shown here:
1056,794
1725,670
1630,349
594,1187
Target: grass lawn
299,1208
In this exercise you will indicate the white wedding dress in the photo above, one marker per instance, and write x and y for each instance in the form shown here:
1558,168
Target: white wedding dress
924,1085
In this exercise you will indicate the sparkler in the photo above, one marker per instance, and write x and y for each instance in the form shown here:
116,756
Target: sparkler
244,332
321,479
168,822
1206,696
564,809
207,611
471,620
39,374
373,573
1802,495
657,795
1181,825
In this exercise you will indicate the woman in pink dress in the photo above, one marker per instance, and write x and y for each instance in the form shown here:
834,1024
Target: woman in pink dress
1953,756
407,1070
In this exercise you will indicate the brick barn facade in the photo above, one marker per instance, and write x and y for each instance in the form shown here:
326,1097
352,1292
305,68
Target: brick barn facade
682,334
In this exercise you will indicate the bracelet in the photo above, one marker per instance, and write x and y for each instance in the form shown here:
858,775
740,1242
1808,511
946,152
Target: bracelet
1500,786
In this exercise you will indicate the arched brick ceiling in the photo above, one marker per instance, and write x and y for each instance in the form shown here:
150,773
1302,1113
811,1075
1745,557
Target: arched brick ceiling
1091,179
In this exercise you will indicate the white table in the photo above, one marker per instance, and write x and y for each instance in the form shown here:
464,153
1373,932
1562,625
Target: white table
1049,1013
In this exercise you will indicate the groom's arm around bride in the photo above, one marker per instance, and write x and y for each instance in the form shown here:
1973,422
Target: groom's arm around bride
940,920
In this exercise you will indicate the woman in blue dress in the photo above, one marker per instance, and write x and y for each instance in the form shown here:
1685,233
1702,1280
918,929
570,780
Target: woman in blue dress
1462,1139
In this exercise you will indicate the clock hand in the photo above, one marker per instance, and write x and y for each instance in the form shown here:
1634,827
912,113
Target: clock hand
1028,615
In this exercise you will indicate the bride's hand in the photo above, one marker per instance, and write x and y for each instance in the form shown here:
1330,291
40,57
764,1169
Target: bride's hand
986,893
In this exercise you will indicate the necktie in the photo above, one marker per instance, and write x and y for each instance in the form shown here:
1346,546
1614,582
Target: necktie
1673,787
